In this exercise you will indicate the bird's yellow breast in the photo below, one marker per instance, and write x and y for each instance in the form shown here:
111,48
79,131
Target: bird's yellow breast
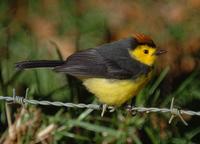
115,92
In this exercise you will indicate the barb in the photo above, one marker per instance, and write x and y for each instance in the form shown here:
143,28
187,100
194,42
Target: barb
134,110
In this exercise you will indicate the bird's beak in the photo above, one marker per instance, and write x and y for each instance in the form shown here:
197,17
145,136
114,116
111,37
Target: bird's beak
160,51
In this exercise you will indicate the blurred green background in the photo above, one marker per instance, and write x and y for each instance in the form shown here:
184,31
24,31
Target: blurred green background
54,29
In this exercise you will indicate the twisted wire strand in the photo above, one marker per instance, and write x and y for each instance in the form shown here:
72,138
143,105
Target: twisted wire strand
164,110
20,100
173,111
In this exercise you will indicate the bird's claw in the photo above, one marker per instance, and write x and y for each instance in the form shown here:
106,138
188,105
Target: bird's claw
130,110
111,108
104,107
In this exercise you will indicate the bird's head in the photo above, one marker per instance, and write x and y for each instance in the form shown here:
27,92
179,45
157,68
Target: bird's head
144,49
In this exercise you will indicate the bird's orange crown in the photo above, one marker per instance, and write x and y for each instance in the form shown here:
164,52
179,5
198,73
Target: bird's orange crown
144,39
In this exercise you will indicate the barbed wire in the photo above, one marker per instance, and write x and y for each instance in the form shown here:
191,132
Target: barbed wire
172,110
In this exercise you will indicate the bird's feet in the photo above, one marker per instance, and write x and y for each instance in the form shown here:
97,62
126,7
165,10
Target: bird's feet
104,107
130,110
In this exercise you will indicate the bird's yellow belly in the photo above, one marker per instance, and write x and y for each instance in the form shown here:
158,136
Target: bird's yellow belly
115,92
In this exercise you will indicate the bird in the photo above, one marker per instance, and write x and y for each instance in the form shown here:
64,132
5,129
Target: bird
114,72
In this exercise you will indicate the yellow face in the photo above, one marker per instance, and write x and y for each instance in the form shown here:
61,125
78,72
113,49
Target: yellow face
144,54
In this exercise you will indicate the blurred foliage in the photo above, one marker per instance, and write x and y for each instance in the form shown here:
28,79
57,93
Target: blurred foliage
52,29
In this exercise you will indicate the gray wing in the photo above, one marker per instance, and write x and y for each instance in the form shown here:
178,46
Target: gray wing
91,64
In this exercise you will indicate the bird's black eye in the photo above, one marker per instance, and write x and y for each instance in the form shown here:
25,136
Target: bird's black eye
146,51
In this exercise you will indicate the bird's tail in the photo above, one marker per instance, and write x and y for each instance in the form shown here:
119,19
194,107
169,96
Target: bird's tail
38,64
